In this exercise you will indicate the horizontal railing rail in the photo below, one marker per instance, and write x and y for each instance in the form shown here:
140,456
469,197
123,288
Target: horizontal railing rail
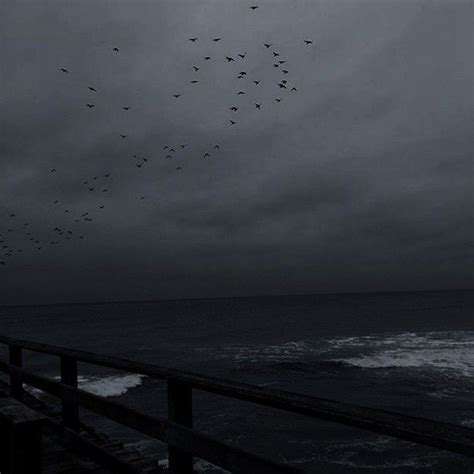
441,435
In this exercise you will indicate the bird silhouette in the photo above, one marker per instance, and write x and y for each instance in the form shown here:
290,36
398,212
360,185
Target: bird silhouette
91,189
176,96
139,165
206,155
107,175
242,73
64,70
216,147
278,100
183,146
179,168
240,93
53,170
232,122
192,40
276,65
234,109
194,81
229,59
267,45
282,61
257,82
216,39
258,106
293,89
92,89
282,86
275,54
308,41
123,136
254,7
284,71
90,106
196,68
207,58
116,49
126,108
242,55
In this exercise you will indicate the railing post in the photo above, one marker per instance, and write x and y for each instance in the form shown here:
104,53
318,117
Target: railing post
15,358
69,377
180,410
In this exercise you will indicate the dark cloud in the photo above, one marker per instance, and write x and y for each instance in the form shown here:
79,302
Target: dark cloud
359,181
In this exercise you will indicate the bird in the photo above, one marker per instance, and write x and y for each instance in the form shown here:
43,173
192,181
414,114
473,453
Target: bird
164,148
64,70
105,190
126,108
278,100
282,86
53,170
101,207
194,81
56,202
284,81
216,147
240,93
258,106
168,157
123,136
276,65
183,146
232,122
242,73
192,40
179,168
216,39
92,89
176,96
12,215
207,58
267,45
242,55
139,165
257,82
206,155
172,150
284,71
254,7
145,159
107,175
234,109
308,42
293,89
229,59
282,61
116,49
91,189
275,54
90,106
142,198
196,68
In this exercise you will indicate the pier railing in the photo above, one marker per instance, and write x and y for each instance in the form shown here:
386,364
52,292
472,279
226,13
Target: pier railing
177,431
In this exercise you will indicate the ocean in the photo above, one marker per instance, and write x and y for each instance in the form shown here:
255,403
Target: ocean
408,352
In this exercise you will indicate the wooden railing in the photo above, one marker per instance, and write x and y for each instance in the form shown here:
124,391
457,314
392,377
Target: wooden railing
177,431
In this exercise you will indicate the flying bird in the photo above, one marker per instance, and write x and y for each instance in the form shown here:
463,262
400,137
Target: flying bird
183,146
194,81
275,54
196,68
254,7
92,89
179,168
267,45
257,82
293,89
232,122
240,93
206,155
216,147
242,73
258,106
207,58
229,59
90,106
139,165
192,40
64,70
216,39
243,55
278,100
276,65
126,108
116,49
282,86
308,41
282,61
53,170
176,96
234,109
284,71
123,136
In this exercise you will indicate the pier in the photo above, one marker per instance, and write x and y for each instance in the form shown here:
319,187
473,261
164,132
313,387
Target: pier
35,440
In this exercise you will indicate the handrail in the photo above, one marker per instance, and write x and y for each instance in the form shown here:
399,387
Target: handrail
436,434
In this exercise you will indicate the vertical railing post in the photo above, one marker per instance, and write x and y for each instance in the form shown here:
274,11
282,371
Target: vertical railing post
180,410
15,358
70,409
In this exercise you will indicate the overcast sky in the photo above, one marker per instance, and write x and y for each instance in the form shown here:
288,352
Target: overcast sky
361,180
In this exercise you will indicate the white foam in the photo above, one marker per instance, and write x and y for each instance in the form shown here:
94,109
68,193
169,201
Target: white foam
110,386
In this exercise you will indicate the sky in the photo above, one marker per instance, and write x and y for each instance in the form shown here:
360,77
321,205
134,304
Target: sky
360,180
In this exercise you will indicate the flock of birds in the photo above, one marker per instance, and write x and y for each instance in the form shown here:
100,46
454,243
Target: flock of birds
18,232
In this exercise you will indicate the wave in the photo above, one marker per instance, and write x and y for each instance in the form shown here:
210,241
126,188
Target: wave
110,386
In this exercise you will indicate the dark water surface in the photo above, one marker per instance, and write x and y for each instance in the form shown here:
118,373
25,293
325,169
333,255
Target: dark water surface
408,352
